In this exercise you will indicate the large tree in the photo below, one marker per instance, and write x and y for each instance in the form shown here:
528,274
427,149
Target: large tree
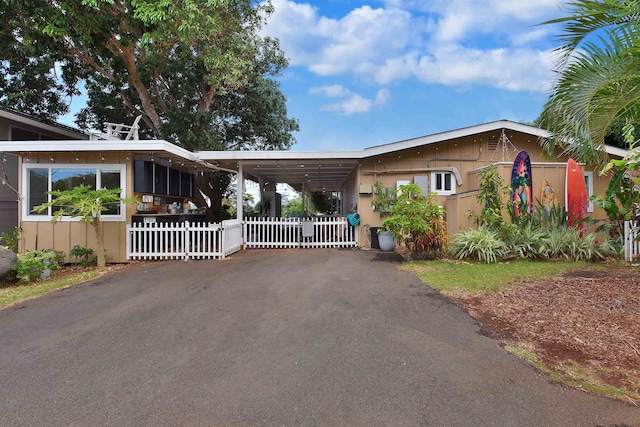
598,84
197,70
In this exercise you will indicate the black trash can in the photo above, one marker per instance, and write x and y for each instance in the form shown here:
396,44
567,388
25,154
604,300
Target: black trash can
374,237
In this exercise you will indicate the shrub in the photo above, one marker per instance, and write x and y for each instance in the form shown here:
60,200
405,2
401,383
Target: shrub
32,264
483,244
417,222
491,191
567,243
83,256
10,241
525,241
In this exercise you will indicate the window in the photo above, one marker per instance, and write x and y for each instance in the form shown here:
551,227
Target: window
588,180
443,183
39,179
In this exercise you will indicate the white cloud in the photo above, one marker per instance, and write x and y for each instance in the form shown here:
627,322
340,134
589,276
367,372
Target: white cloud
495,43
352,103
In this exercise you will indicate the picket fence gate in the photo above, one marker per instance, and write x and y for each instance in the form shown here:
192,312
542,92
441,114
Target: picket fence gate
321,232
186,240
631,240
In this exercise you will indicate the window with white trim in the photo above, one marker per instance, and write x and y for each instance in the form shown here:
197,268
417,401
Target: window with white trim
443,183
588,180
38,179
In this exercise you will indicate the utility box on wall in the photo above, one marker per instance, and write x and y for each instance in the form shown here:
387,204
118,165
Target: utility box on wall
422,181
270,204
366,189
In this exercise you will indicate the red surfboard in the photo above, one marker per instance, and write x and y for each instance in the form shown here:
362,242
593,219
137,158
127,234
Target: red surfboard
575,195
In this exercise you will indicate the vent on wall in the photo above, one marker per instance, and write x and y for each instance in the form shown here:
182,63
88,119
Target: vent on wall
492,145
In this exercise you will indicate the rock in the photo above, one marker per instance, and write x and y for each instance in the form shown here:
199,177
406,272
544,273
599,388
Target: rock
8,259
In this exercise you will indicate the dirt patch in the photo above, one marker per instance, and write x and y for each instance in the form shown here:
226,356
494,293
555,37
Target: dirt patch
585,323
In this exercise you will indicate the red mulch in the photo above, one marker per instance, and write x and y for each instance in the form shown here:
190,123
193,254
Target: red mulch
588,317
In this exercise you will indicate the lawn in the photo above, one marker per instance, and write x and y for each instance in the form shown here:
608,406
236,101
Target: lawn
453,276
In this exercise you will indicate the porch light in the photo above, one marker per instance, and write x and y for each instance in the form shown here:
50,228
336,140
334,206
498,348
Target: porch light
102,156
77,157
52,158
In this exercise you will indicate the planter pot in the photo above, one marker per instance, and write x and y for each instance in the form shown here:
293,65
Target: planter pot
386,241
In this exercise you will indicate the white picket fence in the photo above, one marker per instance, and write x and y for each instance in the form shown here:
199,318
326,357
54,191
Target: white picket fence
155,241
631,240
321,232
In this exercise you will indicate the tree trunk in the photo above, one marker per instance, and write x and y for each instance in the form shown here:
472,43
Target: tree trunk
213,185
97,225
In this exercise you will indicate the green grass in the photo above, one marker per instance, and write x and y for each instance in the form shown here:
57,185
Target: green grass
15,294
451,276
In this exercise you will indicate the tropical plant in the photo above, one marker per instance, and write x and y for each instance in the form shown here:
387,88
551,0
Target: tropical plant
385,199
553,217
525,241
10,241
31,264
83,256
483,244
87,204
491,191
619,202
417,222
598,83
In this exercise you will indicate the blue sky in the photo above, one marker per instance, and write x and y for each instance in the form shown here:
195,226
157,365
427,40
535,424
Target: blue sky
365,73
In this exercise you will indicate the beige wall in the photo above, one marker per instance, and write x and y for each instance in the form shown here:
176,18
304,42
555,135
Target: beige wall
468,155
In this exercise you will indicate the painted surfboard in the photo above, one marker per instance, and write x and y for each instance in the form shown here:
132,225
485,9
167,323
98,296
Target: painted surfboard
548,196
575,195
521,183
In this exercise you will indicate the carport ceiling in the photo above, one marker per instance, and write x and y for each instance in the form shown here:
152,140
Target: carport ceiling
312,175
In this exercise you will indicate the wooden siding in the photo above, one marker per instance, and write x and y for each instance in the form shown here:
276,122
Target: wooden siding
468,155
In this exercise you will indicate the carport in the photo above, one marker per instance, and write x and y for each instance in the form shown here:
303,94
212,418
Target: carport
305,171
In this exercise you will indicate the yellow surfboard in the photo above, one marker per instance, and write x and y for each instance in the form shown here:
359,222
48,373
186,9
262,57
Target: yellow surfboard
548,196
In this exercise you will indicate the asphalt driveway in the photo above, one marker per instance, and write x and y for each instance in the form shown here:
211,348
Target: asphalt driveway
280,337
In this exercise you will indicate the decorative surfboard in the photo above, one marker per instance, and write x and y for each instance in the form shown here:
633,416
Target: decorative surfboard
575,195
548,196
521,183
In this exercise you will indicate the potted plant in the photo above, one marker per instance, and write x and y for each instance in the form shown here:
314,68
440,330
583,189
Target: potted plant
417,223
384,201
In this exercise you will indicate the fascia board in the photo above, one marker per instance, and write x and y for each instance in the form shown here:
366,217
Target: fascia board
278,155
97,145
453,134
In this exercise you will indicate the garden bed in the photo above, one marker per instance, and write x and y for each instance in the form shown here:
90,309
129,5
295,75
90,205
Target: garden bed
581,326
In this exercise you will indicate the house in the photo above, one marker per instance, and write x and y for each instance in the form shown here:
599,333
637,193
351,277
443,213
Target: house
14,127
447,163
158,174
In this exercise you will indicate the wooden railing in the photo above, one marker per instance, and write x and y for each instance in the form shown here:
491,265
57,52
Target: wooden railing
631,240
321,232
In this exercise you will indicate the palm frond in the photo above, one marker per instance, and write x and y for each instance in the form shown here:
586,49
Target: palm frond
600,86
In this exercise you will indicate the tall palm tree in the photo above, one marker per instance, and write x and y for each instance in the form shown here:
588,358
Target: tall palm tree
598,81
